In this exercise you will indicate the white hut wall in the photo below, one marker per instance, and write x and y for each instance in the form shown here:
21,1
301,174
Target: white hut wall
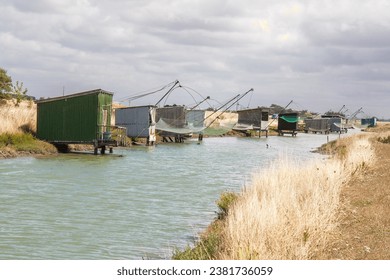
139,121
264,119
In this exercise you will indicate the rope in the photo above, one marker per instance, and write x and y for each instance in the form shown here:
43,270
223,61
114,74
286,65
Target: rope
144,93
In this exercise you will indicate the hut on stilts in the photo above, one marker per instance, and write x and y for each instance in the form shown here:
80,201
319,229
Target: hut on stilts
80,118
139,121
253,120
288,123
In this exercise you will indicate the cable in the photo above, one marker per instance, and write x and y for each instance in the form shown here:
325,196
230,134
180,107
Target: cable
184,88
144,93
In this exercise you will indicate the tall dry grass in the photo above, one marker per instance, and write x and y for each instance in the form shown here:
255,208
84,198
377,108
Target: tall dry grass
17,118
288,211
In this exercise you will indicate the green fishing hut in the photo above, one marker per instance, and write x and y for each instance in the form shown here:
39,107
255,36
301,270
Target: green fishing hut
288,123
80,118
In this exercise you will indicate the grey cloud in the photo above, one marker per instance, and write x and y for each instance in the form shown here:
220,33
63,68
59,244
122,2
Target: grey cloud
38,6
356,35
320,55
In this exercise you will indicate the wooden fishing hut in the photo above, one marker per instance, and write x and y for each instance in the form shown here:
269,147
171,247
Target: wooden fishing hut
80,118
139,121
288,123
171,123
253,120
319,125
336,123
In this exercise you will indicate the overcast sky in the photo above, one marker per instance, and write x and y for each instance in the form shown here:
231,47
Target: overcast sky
320,54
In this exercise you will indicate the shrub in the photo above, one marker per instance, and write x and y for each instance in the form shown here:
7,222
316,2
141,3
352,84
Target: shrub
225,201
385,140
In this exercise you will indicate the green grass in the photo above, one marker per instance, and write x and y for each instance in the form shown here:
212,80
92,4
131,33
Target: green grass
204,249
225,201
25,142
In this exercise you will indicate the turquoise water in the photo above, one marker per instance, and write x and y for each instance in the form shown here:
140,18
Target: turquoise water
141,202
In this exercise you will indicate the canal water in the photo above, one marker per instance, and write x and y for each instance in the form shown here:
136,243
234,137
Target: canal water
139,203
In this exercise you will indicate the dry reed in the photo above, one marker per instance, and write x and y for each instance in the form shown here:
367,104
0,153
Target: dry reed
17,118
289,211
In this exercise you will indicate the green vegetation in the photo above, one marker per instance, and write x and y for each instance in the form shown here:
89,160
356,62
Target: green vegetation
24,142
206,248
225,202
8,90
5,83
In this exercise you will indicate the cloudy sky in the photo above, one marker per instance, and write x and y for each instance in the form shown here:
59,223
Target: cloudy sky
320,54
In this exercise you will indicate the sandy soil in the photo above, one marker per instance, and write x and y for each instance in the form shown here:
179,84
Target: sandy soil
364,230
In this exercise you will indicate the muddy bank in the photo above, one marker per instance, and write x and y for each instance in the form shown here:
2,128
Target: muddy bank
6,153
22,145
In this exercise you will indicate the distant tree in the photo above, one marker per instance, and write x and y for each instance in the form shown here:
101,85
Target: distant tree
9,90
333,113
19,92
5,83
276,109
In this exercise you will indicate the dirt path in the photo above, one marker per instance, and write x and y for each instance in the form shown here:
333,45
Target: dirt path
364,231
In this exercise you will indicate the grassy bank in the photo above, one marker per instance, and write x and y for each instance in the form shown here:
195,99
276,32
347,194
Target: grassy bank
23,144
288,211
17,126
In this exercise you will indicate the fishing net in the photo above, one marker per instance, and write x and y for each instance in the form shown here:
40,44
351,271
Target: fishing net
218,130
164,125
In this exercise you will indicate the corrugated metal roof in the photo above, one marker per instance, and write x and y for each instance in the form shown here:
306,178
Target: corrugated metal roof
254,109
95,91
